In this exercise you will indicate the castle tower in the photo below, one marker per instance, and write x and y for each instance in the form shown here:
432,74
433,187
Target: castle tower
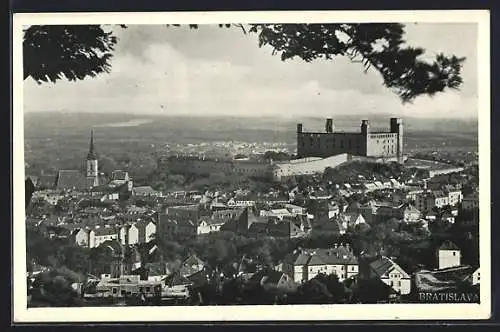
92,163
299,128
365,127
329,125
300,139
397,127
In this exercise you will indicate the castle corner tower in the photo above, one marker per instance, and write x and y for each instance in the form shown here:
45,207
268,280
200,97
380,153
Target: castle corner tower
92,163
396,126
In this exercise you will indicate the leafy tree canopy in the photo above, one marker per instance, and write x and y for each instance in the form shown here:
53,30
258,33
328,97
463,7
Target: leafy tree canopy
76,52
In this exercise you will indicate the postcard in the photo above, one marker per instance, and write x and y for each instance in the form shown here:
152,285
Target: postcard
251,166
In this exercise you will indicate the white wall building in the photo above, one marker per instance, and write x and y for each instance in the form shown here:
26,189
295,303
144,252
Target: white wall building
133,235
391,274
306,166
82,237
98,236
449,255
476,277
304,265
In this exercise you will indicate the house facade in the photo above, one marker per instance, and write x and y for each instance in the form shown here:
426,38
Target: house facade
82,237
209,225
146,231
133,235
449,255
391,274
100,235
178,229
428,200
123,234
351,219
476,277
406,212
305,264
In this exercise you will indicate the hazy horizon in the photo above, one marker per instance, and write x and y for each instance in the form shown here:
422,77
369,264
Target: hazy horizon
138,115
214,71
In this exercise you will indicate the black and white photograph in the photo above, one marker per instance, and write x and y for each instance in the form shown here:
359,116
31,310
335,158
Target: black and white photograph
296,169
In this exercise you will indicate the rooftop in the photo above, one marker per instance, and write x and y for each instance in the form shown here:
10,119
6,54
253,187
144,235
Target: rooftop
332,256
448,245
427,164
73,179
384,265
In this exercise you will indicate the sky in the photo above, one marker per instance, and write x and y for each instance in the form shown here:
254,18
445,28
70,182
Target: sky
217,71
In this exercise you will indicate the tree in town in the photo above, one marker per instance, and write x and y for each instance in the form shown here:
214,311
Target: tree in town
75,52
371,291
29,189
334,286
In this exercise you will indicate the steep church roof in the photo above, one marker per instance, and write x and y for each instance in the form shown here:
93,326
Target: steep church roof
92,155
72,179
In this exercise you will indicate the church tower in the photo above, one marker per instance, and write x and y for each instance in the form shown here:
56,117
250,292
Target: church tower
92,163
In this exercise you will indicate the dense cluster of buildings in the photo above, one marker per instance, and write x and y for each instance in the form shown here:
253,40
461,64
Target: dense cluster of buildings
95,210
316,151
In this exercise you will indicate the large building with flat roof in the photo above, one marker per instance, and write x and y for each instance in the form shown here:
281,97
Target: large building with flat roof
366,143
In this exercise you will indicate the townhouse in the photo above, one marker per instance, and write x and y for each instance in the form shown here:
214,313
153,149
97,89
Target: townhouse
391,274
305,264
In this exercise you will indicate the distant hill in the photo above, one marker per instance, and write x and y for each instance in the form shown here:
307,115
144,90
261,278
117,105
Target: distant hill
60,140
62,122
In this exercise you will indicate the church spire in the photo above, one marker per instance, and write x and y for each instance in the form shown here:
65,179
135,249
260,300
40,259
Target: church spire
91,155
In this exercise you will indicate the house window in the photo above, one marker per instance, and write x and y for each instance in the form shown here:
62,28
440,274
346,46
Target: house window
399,283
148,289
123,292
115,290
454,253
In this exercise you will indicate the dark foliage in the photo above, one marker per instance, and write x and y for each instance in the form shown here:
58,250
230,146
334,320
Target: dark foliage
76,52
376,45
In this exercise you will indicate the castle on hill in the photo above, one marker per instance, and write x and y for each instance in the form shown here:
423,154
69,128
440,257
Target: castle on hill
366,143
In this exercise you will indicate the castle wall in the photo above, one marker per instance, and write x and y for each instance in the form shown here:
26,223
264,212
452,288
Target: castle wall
365,143
206,166
382,145
307,166
252,169
328,144
183,165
